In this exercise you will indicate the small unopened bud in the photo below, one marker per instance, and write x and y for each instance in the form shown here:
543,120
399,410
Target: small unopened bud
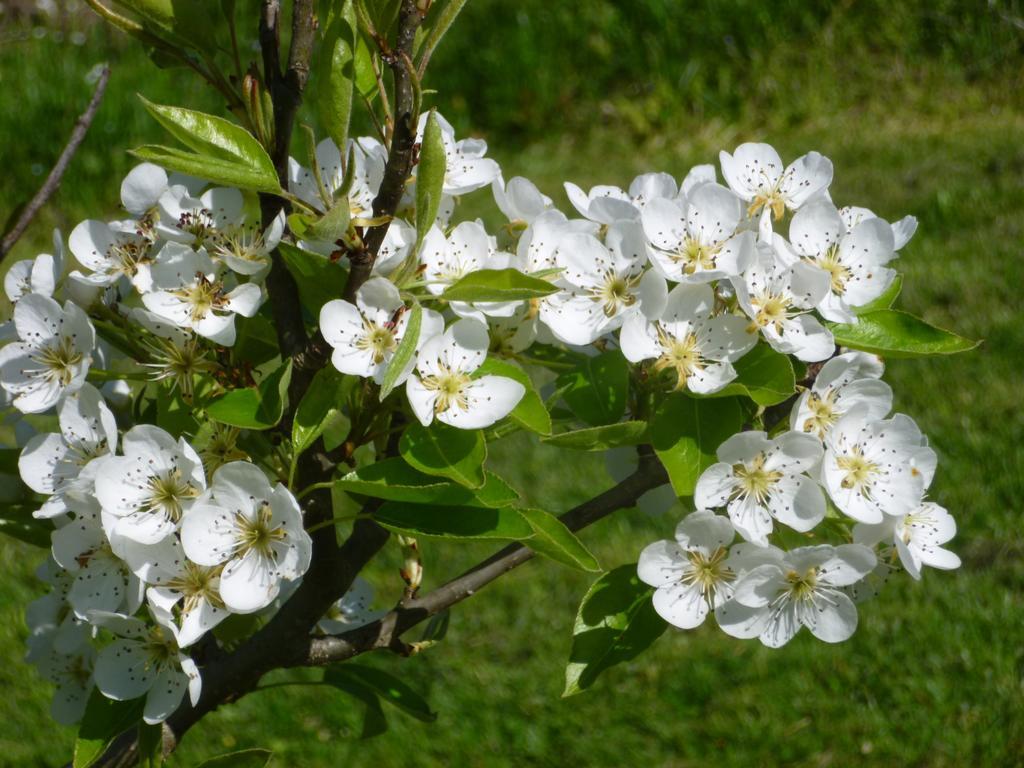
412,566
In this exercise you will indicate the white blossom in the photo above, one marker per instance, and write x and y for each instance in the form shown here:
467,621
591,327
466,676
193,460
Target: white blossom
185,218
253,529
876,468
38,275
52,355
772,601
688,339
144,660
112,251
189,293
604,284
902,230
917,536
443,386
467,169
519,199
698,239
755,173
847,381
603,204
365,335
694,573
779,299
151,486
758,479
60,464
855,261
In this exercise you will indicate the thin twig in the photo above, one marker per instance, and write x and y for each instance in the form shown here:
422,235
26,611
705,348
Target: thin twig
57,172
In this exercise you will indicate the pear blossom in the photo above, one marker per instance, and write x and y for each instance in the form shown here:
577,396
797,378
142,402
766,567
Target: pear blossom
447,260
876,468
251,528
902,230
845,382
189,293
58,464
698,239
917,537
694,573
605,283
758,479
352,610
805,589
176,354
519,199
144,660
855,261
72,675
52,355
150,487
102,580
444,388
467,169
366,334
779,299
369,157
112,251
689,340
142,189
246,250
755,173
185,218
38,275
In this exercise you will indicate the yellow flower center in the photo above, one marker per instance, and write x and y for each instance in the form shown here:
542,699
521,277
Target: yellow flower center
708,571
695,256
167,492
258,533
802,585
753,480
378,340
450,387
823,413
680,354
838,272
59,360
858,471
615,293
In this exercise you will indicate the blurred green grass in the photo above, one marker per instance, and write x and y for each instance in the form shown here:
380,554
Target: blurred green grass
919,107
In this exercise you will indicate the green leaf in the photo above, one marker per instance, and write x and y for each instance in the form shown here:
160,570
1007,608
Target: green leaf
103,721
404,352
151,754
17,522
386,686
243,758
495,492
319,279
173,414
375,723
439,20
217,170
444,451
444,521
335,75
498,285
615,623
330,227
886,300
763,375
430,173
254,407
686,432
601,438
597,389
892,333
393,479
530,412
552,539
324,395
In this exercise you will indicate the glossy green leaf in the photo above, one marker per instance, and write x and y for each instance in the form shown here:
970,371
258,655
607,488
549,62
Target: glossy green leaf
393,479
400,361
597,389
498,285
335,75
763,375
430,172
445,521
243,758
892,333
444,451
103,721
686,432
886,300
386,686
601,438
552,539
258,407
615,623
319,279
324,395
225,172
530,412
330,227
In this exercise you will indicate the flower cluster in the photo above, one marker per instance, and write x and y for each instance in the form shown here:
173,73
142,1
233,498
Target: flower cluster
160,533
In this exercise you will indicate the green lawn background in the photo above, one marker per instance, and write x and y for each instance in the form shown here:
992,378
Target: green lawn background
920,109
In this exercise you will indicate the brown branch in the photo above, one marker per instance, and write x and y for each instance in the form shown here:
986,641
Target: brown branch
57,172
386,632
